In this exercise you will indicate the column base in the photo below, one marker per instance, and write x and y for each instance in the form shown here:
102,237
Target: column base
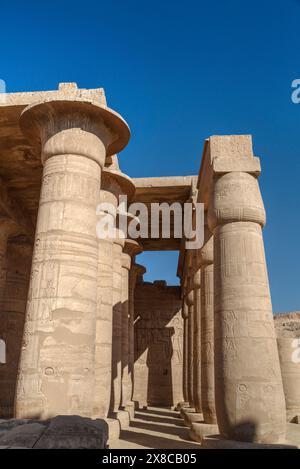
114,428
181,405
130,408
216,442
185,410
141,405
190,417
200,430
123,418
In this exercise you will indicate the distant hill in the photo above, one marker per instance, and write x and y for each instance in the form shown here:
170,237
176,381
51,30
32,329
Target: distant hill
287,324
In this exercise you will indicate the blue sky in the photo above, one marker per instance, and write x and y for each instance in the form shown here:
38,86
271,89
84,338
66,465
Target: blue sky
179,71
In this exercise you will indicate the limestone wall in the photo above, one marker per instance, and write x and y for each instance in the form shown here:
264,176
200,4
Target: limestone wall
158,336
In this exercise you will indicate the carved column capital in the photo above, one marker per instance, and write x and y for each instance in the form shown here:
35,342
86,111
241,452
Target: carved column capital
74,127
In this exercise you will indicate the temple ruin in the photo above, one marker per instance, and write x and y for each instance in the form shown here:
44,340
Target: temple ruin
85,335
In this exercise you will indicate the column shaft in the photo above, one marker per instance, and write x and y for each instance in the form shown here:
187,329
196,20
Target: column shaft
57,370
185,349
104,320
126,262
207,348
116,388
249,393
197,342
190,320
57,367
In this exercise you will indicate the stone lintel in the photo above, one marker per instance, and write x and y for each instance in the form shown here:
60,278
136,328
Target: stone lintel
65,91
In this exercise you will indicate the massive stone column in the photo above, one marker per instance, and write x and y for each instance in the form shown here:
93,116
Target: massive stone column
288,348
185,315
135,271
116,388
113,184
208,426
131,248
190,303
108,329
197,341
104,335
194,337
249,395
57,370
207,333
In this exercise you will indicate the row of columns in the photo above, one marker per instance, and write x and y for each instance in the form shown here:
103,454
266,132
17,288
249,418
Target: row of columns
77,350
231,371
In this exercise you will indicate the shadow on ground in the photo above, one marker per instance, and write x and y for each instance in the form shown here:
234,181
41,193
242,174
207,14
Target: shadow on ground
155,428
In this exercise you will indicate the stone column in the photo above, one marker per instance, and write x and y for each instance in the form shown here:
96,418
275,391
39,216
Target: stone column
197,341
207,333
131,248
208,426
117,328
104,318
288,348
185,315
57,370
113,183
196,414
190,303
135,271
249,395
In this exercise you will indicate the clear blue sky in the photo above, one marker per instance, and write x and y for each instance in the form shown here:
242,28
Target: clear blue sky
179,71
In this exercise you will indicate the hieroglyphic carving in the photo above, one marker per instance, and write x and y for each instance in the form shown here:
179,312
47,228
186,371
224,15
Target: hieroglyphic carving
158,344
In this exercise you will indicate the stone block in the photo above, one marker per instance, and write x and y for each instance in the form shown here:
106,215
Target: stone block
23,435
74,432
200,430
190,417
